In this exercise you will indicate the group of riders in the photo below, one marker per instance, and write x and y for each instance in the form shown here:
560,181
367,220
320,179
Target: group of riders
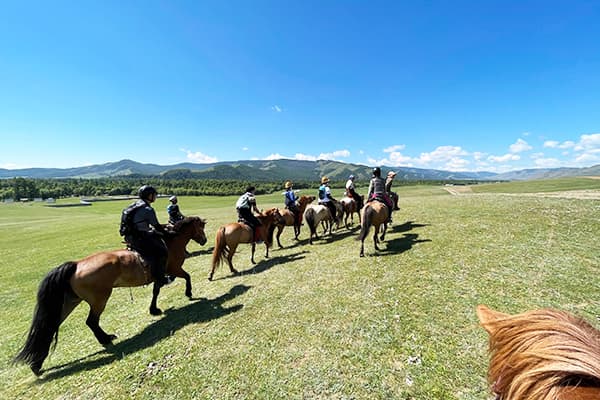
144,234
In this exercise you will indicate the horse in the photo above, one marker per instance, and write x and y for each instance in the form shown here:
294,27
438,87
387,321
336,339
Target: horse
288,218
229,236
316,214
542,354
350,207
92,280
373,213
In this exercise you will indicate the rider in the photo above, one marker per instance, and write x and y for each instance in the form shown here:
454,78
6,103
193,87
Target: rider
147,235
291,202
377,191
173,210
325,197
351,192
244,206
388,188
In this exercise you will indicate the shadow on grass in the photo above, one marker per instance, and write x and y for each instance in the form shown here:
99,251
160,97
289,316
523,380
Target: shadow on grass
267,264
402,244
405,227
173,319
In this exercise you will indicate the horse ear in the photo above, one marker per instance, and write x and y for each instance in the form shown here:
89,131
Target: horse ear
487,315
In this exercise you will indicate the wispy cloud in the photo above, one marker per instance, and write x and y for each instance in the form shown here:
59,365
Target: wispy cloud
553,144
276,108
244,149
334,155
504,158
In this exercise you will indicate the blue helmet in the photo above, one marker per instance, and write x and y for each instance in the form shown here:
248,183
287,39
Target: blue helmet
351,177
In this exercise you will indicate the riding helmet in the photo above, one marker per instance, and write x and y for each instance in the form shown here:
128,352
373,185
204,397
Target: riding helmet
351,177
146,191
377,171
173,199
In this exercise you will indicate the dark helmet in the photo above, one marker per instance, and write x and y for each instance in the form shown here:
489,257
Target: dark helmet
250,189
146,191
377,172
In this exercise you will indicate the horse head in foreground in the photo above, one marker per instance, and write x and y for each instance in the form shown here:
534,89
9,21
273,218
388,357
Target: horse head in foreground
92,280
541,355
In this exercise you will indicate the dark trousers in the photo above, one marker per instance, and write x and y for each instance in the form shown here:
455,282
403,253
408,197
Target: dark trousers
154,250
245,215
331,208
357,198
296,211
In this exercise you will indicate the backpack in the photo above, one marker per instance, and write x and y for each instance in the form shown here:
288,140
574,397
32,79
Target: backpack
322,192
126,227
243,202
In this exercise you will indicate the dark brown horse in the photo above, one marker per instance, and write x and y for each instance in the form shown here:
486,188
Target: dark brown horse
289,219
229,236
541,355
373,213
92,280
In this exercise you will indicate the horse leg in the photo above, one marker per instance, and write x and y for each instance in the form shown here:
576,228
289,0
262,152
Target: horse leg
375,239
253,249
279,230
382,237
188,284
154,310
93,319
267,248
362,248
230,259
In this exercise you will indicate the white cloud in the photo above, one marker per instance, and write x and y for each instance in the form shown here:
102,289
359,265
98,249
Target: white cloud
588,142
457,164
274,156
334,155
519,146
244,149
478,155
396,147
553,144
199,157
276,108
304,157
504,158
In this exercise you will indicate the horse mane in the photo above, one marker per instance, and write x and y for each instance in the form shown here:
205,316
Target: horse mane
535,354
180,225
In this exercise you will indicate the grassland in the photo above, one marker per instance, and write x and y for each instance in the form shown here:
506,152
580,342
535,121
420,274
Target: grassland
310,322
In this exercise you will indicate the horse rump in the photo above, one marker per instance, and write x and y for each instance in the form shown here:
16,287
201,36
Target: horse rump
47,316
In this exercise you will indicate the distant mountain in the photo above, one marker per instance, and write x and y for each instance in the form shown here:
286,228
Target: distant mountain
279,170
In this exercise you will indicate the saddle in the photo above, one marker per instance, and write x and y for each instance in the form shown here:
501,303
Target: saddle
255,233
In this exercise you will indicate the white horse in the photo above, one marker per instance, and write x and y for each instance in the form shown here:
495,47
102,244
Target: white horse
315,215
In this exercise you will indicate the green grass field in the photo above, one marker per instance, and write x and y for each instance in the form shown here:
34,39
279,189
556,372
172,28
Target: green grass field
310,322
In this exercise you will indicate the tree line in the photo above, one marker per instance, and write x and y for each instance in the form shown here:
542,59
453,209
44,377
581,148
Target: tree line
27,188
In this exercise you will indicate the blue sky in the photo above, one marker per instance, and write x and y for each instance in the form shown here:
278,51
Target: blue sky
455,85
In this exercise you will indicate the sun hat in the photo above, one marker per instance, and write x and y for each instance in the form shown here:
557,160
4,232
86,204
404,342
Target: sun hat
324,179
288,184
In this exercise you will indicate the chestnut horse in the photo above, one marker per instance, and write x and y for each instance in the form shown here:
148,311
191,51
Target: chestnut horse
541,355
350,207
373,213
92,280
229,236
289,218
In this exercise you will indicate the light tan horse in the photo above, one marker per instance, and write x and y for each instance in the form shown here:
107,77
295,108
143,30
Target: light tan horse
315,215
373,213
229,236
289,220
541,355
92,280
350,207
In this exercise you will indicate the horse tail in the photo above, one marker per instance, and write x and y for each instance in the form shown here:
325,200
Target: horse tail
220,248
366,222
47,316
310,221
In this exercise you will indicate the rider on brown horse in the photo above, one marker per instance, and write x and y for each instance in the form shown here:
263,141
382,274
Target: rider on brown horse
326,199
291,202
244,206
146,235
351,192
377,191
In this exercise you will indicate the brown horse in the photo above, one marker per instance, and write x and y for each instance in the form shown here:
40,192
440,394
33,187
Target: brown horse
229,236
92,280
350,207
541,355
289,218
373,213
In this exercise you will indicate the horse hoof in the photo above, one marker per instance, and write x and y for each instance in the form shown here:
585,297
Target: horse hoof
188,295
155,311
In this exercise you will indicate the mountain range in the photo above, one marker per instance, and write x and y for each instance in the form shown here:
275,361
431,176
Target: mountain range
279,170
